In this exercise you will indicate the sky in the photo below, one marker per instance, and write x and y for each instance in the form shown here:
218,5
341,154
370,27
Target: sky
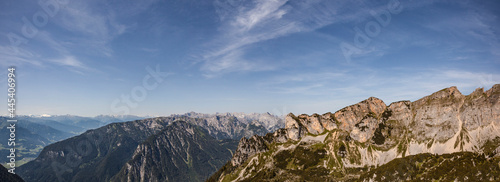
160,57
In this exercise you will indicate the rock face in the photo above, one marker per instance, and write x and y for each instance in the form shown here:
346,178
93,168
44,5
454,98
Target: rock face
360,120
96,155
237,125
180,152
99,154
5,175
370,133
248,147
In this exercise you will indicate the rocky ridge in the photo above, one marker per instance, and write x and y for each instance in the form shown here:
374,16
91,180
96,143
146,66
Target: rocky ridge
180,152
266,121
370,133
5,175
99,154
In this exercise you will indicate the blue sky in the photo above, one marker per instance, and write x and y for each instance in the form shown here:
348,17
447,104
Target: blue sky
274,56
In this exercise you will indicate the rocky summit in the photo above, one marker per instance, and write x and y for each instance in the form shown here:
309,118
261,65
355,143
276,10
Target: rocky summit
445,132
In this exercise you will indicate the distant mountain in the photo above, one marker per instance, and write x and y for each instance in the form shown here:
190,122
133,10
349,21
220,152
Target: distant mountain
106,119
79,121
28,145
181,152
268,121
70,127
349,144
5,176
111,146
78,124
30,139
46,131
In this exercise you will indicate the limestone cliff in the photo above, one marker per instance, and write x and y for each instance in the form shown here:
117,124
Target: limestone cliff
343,144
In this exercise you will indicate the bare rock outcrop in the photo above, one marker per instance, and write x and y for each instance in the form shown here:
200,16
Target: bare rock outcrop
248,147
359,119
444,122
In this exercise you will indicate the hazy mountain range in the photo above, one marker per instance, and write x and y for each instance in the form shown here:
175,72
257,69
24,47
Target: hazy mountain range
100,154
35,132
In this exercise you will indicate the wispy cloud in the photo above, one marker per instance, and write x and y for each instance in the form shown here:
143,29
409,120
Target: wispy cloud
51,42
247,23
366,83
263,11
87,29
63,54
22,56
315,83
335,91
69,61
456,33
92,29
40,58
233,61
305,77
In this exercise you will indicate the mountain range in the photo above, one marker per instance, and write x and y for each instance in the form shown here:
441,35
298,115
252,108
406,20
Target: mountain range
34,133
77,124
180,152
445,136
118,148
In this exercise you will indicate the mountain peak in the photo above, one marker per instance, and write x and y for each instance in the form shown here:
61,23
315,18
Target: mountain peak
373,99
443,97
369,133
450,91
495,89
174,154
